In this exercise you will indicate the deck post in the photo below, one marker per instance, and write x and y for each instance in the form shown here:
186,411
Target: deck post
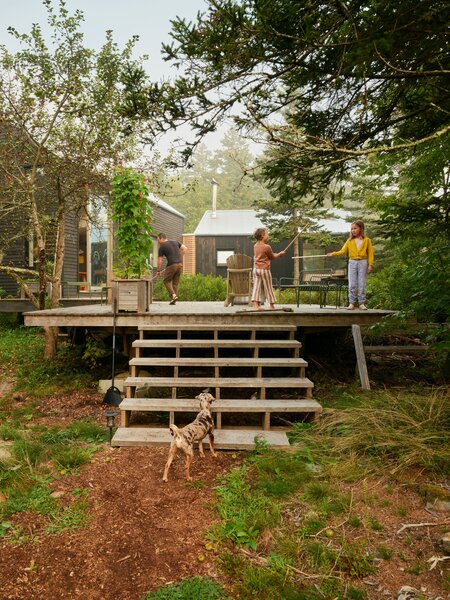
360,357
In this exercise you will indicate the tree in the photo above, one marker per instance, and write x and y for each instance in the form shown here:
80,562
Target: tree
326,82
411,199
61,133
232,165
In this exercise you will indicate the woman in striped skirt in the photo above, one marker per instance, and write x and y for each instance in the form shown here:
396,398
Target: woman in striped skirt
262,277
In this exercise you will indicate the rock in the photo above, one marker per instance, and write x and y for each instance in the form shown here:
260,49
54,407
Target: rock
144,373
122,375
439,505
105,384
408,593
6,453
143,392
57,494
431,492
444,543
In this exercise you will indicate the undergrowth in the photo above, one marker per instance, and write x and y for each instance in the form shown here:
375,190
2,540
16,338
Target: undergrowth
37,457
289,525
195,588
21,359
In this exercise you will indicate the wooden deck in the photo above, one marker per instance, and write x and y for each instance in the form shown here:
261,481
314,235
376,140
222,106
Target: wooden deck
194,340
196,313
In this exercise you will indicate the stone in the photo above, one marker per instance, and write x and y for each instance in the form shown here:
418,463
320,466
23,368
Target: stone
439,505
444,543
6,453
105,384
407,593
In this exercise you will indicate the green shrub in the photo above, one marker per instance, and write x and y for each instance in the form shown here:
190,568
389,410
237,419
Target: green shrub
22,351
195,288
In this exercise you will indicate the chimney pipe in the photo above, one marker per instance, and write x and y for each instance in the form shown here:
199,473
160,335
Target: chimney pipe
215,185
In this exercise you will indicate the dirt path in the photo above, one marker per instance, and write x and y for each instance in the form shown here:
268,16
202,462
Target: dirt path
142,533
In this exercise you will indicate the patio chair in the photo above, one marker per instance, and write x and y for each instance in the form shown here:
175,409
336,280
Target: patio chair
239,278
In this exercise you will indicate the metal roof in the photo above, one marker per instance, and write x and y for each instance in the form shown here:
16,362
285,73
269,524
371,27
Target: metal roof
164,205
228,222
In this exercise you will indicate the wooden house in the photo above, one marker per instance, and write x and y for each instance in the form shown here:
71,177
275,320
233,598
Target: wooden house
89,246
221,233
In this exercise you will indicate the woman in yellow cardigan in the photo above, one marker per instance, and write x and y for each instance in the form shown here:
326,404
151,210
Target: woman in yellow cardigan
360,263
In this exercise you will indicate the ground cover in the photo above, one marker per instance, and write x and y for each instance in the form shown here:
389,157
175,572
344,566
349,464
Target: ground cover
353,512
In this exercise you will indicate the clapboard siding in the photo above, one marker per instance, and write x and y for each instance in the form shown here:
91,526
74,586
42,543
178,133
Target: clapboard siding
70,268
14,256
169,223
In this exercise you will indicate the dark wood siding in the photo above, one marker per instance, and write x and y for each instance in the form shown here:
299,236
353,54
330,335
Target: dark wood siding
14,256
70,269
206,248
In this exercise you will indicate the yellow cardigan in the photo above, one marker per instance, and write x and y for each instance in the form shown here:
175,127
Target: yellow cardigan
365,250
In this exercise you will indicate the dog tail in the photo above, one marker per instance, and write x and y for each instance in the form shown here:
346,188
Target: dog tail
174,431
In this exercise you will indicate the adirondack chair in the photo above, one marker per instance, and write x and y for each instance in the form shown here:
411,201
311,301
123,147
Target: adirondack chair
239,277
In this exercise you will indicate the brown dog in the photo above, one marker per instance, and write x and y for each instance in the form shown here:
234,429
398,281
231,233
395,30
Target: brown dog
184,438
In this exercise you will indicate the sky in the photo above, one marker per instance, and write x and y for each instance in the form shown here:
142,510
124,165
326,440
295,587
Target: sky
149,19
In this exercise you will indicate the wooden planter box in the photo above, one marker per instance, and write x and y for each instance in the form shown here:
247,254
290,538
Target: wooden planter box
132,295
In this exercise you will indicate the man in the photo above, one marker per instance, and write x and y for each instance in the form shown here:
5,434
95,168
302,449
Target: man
173,252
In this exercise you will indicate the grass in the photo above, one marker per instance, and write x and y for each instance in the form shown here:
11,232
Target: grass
21,359
287,516
288,528
403,431
38,457
196,588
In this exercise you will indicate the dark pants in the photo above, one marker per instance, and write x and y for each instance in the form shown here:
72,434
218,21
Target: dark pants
171,278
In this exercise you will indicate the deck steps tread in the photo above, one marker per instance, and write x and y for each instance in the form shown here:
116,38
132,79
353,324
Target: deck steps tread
226,343
220,382
218,362
404,349
216,327
228,405
224,439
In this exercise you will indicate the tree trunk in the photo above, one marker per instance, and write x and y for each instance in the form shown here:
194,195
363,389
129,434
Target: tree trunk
51,333
297,260
59,261
51,341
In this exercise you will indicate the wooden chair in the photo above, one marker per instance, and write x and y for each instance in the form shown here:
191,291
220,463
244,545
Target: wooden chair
239,277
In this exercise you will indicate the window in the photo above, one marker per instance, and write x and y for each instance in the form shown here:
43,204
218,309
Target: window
222,256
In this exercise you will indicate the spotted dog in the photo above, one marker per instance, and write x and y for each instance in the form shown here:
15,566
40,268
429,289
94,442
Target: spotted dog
184,438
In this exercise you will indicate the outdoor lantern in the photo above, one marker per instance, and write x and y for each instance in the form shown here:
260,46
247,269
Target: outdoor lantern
110,420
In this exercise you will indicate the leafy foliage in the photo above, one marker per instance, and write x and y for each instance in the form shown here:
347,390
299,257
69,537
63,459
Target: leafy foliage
326,82
410,197
62,135
132,212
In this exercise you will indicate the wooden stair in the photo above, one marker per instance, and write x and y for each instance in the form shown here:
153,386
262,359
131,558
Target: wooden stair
173,348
